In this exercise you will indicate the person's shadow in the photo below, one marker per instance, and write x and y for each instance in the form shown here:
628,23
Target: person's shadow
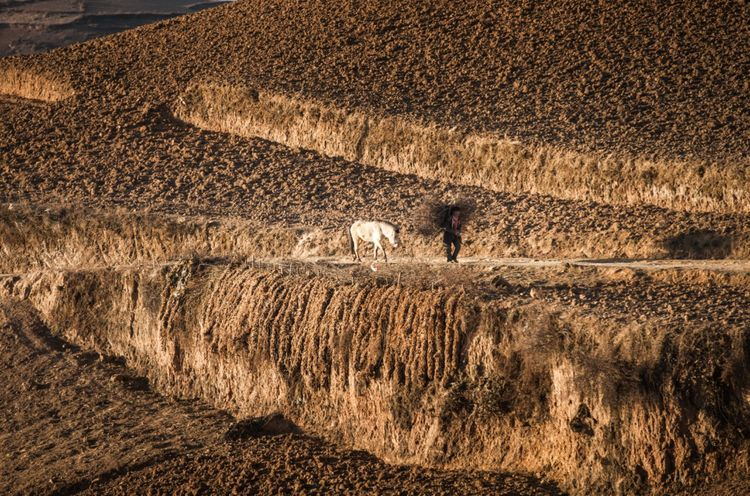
699,243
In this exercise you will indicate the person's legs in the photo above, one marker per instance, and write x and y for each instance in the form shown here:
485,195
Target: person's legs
447,241
457,248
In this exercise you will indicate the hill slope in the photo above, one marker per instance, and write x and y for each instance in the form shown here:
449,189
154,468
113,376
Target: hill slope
642,77
626,138
617,104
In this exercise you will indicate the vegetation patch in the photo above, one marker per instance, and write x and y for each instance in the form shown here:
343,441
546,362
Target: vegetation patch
33,85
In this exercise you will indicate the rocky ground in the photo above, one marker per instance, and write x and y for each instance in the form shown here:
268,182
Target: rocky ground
643,77
164,166
116,143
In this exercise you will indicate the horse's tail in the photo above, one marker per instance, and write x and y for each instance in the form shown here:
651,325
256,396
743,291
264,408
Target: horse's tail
351,239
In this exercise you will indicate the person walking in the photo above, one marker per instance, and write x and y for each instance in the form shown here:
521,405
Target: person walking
452,233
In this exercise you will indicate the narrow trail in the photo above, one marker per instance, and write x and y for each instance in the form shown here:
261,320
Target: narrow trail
722,265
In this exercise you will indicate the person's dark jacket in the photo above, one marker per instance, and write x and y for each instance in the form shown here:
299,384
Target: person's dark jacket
449,228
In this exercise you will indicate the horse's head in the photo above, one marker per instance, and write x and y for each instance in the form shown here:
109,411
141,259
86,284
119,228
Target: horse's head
393,235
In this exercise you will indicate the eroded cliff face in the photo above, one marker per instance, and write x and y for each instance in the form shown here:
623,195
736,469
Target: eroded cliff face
438,377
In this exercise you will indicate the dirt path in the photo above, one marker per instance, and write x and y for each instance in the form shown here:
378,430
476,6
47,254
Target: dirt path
731,266
622,263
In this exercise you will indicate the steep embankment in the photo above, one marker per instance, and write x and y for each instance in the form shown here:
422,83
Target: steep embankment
73,421
405,145
601,379
437,376
631,385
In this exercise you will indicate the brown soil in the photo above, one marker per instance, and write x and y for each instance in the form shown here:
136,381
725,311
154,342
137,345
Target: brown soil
302,465
643,77
504,359
217,174
73,420
115,143
70,415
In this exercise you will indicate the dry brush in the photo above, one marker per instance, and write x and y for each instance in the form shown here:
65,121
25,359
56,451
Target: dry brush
61,237
69,238
34,85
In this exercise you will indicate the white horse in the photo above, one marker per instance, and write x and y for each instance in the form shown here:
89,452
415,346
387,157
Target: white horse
372,231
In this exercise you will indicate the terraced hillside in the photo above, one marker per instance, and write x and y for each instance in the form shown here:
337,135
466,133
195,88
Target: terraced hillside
572,97
177,195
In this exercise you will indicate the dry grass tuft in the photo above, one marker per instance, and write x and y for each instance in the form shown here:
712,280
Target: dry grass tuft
34,86
60,237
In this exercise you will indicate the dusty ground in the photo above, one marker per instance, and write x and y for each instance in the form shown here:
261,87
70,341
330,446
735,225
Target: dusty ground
116,144
74,421
294,464
680,293
163,166
69,418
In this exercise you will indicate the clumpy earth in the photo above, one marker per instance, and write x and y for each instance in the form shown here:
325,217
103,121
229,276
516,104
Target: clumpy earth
643,77
70,416
292,464
648,79
160,165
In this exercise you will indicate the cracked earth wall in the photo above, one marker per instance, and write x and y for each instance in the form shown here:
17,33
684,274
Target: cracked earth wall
433,377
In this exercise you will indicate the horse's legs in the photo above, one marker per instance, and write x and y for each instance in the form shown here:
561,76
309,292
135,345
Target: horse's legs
378,246
376,242
356,248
